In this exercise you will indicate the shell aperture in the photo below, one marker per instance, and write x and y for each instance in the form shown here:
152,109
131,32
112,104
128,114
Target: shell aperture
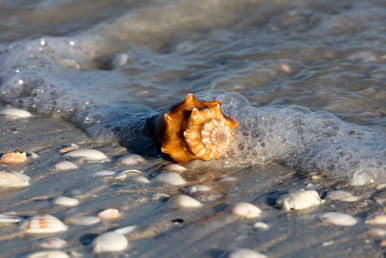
197,129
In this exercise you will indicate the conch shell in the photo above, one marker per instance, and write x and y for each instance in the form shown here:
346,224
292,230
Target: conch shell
197,129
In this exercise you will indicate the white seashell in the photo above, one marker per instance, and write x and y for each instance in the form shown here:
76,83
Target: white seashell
15,113
246,210
338,219
14,179
8,219
159,196
34,155
126,173
342,196
261,225
245,253
175,168
299,200
104,173
65,165
41,224
85,220
88,154
185,201
110,242
140,180
109,214
53,243
170,178
378,219
49,254
125,230
197,188
66,201
377,232
132,160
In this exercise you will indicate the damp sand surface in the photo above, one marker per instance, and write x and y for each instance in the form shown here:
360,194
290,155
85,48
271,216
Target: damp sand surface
163,230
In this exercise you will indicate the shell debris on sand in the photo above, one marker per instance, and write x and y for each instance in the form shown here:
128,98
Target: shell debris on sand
185,201
14,179
377,232
104,173
342,196
125,230
109,214
126,173
65,165
261,225
377,219
49,254
14,158
66,201
41,224
85,220
175,168
53,243
299,200
9,219
171,178
88,154
197,188
338,219
72,147
132,160
140,180
245,253
246,210
15,113
110,242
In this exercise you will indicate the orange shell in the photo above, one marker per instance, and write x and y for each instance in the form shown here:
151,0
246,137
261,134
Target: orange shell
197,129
13,158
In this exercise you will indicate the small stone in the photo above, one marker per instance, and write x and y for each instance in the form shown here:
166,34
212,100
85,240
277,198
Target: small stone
175,168
85,220
109,214
378,219
132,160
104,173
185,201
110,242
14,179
299,200
246,210
53,243
65,165
14,158
66,201
15,113
170,178
9,219
49,254
88,154
245,253
140,180
342,196
261,225
338,219
377,232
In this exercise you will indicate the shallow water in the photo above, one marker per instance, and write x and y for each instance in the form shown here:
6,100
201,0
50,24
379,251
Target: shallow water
106,65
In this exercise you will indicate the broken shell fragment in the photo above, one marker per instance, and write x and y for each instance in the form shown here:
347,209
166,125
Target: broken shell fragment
41,224
378,219
66,201
49,254
185,201
110,242
8,219
170,178
53,243
88,154
14,158
109,214
299,200
338,219
65,165
132,160
13,179
245,253
342,196
69,148
15,113
246,210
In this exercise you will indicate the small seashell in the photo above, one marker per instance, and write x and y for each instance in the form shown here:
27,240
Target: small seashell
245,253
342,196
227,179
338,219
159,196
140,180
85,220
34,155
41,224
175,168
185,201
65,165
132,160
261,225
299,200
246,210
110,242
126,173
378,219
104,173
109,214
14,179
88,154
13,158
72,147
15,113
125,230
377,232
197,188
66,201
49,254
53,243
170,178
8,219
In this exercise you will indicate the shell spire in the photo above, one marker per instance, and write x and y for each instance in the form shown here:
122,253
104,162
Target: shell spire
197,129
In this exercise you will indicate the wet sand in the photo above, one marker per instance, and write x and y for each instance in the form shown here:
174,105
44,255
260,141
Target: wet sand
164,231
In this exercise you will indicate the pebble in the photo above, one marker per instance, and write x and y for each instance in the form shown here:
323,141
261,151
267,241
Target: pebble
125,230
41,224
338,219
53,243
15,113
72,147
170,178
110,242
261,225
299,200
132,160
246,210
342,196
175,168
126,173
245,253
14,158
140,180
377,232
66,201
49,254
104,173
88,154
85,220
65,165
185,201
197,188
14,179
109,214
378,219
8,219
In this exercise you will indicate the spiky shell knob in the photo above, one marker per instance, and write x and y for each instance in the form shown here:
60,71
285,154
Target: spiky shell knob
197,129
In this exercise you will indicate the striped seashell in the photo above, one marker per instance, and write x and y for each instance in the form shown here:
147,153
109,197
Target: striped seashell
41,224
